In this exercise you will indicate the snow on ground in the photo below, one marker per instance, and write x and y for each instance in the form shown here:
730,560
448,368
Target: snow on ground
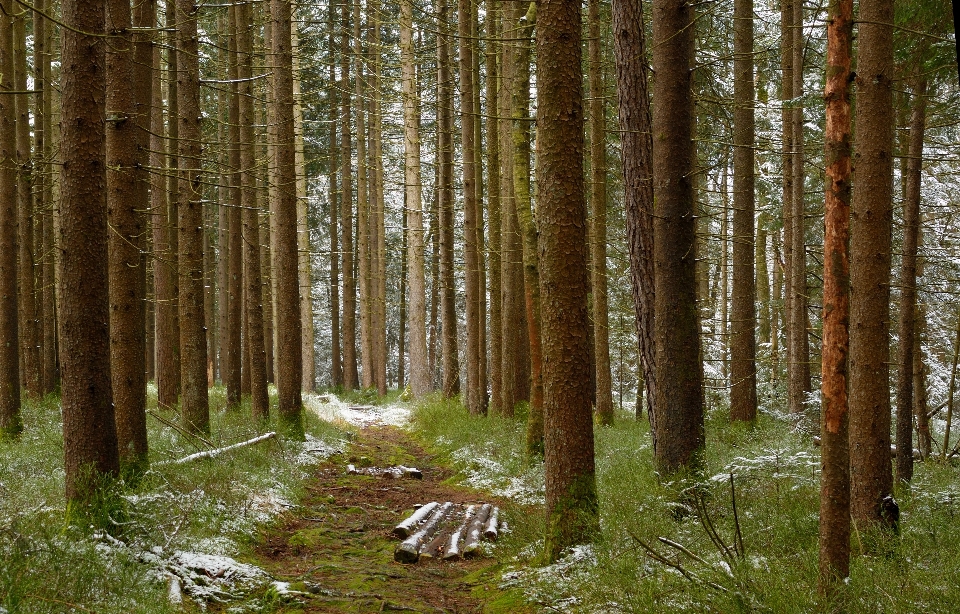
484,472
332,409
556,586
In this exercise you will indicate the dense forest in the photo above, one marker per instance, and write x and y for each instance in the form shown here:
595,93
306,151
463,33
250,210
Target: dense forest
625,252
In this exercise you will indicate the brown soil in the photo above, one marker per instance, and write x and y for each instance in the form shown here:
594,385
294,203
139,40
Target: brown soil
338,546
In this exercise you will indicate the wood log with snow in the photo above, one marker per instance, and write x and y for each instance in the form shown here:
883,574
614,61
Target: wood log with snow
472,541
409,550
492,527
219,451
405,528
352,470
411,472
452,552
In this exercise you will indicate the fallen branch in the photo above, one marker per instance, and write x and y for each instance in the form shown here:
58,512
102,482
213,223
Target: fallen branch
218,451
190,436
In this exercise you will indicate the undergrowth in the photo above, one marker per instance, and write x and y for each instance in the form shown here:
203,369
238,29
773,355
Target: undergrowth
212,506
674,546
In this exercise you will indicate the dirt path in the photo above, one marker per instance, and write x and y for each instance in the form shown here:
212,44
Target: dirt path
338,547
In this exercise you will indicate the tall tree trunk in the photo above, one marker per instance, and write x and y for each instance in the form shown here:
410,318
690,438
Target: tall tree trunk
89,427
233,342
336,364
799,341
378,238
743,363
420,381
349,322
510,246
253,336
363,207
531,264
476,387
835,454
871,224
304,253
908,286
402,323
762,278
479,192
494,215
569,466
10,420
451,362
194,405
289,332
598,169
678,439
29,340
163,273
723,273
124,204
786,129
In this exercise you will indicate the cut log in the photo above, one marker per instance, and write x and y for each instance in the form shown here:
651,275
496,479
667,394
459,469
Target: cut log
405,528
433,549
352,470
490,530
411,472
472,541
452,551
409,550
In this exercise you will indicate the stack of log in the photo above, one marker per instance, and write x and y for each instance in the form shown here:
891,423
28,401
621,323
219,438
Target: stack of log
397,471
450,531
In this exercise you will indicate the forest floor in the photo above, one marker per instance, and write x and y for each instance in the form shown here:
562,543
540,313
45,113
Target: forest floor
334,551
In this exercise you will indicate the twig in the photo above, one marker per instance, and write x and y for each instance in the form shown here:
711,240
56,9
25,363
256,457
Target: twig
738,537
682,549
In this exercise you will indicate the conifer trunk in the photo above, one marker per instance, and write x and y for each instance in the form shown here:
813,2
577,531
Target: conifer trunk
349,321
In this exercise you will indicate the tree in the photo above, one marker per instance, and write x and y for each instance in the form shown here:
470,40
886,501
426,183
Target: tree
289,331
10,421
234,307
89,429
633,105
494,215
349,321
125,201
420,380
194,403
835,455
598,170
871,223
743,364
568,420
679,437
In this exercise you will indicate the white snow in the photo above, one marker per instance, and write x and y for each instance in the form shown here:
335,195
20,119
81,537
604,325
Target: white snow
331,408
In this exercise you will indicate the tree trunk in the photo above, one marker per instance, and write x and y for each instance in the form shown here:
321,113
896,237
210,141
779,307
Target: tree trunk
43,33
908,287
420,381
336,364
232,342
476,386
786,129
678,439
252,284
363,208
402,323
349,321
871,223
637,159
304,253
10,421
378,231
743,346
124,206
835,453
89,428
451,351
568,421
494,206
762,278
289,332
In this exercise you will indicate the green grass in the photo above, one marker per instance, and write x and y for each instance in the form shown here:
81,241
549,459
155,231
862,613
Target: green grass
776,476
214,506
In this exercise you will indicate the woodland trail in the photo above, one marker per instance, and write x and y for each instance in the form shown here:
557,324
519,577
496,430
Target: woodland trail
337,546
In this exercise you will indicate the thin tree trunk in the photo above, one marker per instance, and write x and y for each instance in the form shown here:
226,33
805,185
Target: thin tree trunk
637,159
871,225
378,240
89,427
908,286
476,387
679,436
494,214
835,453
305,255
479,191
402,323
336,364
743,363
363,208
252,287
571,495
349,322
163,272
233,341
763,278
786,129
10,421
43,53
723,274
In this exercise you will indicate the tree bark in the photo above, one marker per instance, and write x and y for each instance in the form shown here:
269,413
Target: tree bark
476,386
637,158
125,201
420,380
304,253
10,421
908,287
679,436
786,129
349,321
232,343
336,364
363,207
568,421
743,346
89,428
835,453
871,223
378,229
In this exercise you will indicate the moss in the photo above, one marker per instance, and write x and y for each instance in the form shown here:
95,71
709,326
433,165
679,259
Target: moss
574,517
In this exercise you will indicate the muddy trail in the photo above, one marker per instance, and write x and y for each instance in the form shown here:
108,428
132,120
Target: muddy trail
336,550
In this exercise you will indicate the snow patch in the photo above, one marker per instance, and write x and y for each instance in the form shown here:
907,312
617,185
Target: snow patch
331,408
484,473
